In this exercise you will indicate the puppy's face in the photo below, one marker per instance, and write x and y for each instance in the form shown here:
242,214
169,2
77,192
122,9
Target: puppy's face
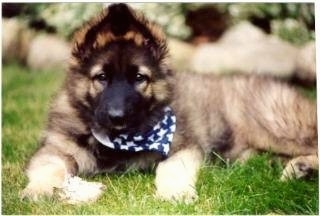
122,76
120,58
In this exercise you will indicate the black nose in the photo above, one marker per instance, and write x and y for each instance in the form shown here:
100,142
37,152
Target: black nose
116,117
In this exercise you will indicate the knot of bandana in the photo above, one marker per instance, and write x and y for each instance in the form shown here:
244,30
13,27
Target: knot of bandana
158,139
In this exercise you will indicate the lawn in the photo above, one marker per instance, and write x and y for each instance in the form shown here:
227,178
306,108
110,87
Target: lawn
252,188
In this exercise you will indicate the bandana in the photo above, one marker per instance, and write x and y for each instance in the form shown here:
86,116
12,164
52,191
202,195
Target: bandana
158,139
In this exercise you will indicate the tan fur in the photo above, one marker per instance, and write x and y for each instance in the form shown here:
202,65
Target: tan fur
68,115
45,172
272,109
79,36
81,89
105,38
145,88
160,90
95,86
145,71
177,176
86,162
95,70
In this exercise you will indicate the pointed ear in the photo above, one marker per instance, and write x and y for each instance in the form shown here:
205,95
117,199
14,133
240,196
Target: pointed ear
119,22
120,18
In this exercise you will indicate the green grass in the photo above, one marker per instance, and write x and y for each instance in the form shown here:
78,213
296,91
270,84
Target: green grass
253,188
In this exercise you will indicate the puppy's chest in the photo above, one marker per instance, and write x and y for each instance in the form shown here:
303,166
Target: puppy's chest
111,160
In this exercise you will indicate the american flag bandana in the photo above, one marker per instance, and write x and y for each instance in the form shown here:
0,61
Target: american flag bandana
158,139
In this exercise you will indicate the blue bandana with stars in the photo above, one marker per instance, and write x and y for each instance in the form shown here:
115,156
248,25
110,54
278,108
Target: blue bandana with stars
158,139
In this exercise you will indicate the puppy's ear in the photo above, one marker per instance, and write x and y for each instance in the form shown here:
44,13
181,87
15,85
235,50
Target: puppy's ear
115,23
120,18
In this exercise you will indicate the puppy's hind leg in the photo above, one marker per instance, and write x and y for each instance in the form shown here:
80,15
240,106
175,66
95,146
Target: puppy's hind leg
286,124
176,176
299,167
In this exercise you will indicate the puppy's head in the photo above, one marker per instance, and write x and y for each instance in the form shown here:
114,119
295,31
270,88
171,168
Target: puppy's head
119,69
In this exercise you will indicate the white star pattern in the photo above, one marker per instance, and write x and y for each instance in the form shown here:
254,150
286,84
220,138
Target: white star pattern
154,146
139,148
170,137
131,144
124,136
162,132
166,148
165,120
124,147
138,138
156,127
117,140
173,128
151,138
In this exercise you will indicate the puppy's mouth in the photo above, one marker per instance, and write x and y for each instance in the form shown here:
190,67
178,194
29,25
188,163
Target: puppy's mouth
125,125
118,124
121,127
111,129
115,127
105,122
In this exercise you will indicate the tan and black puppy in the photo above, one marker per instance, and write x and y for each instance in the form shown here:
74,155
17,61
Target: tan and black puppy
121,106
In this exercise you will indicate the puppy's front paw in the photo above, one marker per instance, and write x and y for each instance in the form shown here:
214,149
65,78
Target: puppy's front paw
75,190
34,191
175,182
177,193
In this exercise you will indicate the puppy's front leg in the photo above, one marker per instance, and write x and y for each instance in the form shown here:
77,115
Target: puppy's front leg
46,171
176,176
55,167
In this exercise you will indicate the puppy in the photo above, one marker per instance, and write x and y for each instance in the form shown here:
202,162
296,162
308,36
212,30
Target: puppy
121,106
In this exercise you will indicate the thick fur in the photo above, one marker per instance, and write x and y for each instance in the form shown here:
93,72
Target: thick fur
119,80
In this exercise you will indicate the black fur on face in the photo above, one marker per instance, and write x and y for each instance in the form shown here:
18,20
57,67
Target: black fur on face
126,102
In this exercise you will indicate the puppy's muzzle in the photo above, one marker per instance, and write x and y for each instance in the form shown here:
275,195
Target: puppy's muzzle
116,116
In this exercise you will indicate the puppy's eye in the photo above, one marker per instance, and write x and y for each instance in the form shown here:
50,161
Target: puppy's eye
101,77
141,78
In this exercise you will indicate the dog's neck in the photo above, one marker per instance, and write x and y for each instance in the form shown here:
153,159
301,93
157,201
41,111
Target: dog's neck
157,139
